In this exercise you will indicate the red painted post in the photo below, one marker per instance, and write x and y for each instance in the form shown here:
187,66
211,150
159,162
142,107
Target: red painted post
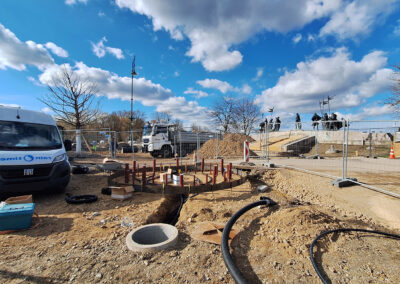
181,180
133,171
224,176
202,165
154,165
230,171
215,171
126,173
144,176
217,168
177,165
222,166
194,180
206,179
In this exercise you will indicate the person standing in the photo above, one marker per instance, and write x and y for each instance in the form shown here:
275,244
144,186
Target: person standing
298,122
277,125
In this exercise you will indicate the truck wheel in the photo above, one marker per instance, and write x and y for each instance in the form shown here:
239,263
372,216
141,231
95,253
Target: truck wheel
166,152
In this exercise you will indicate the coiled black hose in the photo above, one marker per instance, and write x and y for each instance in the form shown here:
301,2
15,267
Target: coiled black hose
230,264
323,234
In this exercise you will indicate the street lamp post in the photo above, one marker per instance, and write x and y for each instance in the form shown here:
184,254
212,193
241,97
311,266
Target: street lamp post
131,118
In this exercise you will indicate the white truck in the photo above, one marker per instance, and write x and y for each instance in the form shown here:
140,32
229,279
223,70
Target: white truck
160,139
32,154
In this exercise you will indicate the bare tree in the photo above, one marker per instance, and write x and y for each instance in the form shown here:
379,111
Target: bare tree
162,116
222,112
245,115
72,99
394,99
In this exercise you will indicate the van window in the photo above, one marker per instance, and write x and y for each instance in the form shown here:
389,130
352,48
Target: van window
28,136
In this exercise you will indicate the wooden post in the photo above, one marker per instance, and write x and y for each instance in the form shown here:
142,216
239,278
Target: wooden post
138,169
215,171
202,164
185,168
133,171
194,180
153,176
154,165
222,166
206,179
230,171
177,165
210,169
144,176
126,173
224,176
181,180
161,168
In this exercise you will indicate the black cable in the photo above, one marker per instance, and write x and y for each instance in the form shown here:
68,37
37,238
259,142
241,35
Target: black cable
339,231
230,264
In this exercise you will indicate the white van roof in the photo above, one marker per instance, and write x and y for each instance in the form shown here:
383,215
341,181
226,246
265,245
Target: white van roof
22,115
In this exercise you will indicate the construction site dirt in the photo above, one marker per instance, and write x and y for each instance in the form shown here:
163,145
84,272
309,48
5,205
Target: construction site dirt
86,243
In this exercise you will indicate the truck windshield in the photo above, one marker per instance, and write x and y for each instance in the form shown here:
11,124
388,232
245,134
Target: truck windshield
28,136
147,130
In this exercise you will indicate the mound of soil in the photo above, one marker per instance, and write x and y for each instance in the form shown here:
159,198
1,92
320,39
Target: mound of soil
230,146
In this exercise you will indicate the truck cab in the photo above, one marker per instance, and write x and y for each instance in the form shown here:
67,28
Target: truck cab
156,139
32,154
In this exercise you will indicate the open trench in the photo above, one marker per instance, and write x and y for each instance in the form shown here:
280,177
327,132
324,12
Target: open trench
169,210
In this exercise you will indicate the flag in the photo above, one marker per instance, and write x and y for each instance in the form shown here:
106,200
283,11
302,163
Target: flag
133,66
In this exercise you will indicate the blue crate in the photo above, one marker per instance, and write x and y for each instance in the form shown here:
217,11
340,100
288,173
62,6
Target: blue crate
16,216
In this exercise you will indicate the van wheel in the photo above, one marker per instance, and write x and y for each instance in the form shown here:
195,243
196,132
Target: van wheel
166,152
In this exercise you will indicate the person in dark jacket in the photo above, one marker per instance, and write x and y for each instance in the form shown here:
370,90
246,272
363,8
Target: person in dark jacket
298,122
315,119
277,125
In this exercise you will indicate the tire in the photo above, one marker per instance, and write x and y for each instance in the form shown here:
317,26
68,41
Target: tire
166,151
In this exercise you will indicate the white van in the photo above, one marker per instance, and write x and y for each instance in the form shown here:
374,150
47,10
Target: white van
32,154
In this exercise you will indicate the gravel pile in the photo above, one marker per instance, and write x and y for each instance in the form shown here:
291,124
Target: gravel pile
230,146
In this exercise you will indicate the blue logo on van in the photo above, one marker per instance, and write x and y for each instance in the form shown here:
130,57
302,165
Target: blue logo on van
28,158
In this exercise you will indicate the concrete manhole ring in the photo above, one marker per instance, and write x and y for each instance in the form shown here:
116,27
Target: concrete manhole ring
157,236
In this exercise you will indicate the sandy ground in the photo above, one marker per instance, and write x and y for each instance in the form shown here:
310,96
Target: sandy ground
86,243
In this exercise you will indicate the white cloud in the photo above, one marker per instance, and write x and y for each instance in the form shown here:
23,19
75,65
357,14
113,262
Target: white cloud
246,89
176,74
198,94
73,2
351,82
16,54
34,81
100,49
145,91
9,105
55,49
222,86
216,27
297,38
101,14
396,30
46,110
357,18
260,72
182,109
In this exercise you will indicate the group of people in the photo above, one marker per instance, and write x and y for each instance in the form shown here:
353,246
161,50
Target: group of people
271,125
328,122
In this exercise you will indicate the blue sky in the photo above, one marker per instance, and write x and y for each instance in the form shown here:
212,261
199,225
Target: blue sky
189,53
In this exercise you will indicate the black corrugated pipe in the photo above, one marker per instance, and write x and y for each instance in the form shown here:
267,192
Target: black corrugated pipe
230,264
342,230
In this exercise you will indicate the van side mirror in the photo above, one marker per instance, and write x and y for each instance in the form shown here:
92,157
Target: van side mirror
68,145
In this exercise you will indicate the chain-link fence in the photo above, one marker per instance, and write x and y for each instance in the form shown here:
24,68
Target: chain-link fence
88,143
363,150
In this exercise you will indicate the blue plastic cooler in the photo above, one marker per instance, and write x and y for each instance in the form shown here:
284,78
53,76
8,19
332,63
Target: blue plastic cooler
16,216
